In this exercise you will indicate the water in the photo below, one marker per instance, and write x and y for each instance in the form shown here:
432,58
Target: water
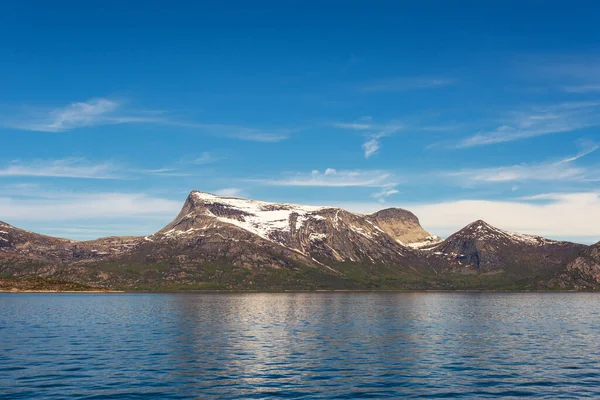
299,345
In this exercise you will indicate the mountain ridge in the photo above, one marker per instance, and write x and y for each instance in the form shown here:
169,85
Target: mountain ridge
235,243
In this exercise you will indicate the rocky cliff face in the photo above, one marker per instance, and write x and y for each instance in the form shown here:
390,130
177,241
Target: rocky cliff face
232,243
581,273
403,226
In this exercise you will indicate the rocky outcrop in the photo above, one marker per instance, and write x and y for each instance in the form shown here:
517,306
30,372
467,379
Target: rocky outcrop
583,273
403,226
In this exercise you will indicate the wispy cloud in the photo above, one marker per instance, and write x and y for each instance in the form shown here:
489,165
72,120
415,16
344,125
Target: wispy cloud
585,88
571,74
80,168
565,117
372,145
173,172
230,192
103,111
359,126
62,168
563,169
384,193
399,84
205,158
93,112
238,132
333,178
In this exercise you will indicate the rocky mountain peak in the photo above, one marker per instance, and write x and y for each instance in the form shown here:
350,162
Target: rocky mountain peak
267,220
403,226
484,232
398,214
486,247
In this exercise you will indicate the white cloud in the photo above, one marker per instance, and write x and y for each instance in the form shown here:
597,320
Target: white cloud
574,74
372,145
230,192
102,111
385,192
367,124
568,215
586,88
238,132
334,178
88,215
98,111
162,172
354,126
399,84
563,216
547,171
566,117
205,158
88,231
63,168
71,206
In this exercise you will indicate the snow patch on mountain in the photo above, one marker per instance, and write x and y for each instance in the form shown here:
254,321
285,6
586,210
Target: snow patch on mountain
485,231
428,241
260,217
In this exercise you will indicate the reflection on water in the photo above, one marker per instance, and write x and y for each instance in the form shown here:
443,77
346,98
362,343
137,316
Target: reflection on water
327,345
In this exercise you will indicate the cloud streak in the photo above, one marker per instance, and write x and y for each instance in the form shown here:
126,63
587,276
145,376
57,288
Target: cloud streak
384,193
400,84
334,178
547,171
566,117
229,192
94,112
239,132
372,145
102,111
63,168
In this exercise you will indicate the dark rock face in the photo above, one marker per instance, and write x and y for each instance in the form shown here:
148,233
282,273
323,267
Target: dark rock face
231,243
581,273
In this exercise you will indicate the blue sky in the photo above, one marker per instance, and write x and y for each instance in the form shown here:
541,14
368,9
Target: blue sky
111,112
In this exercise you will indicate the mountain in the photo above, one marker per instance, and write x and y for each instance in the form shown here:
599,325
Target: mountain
403,226
482,248
312,234
231,243
583,273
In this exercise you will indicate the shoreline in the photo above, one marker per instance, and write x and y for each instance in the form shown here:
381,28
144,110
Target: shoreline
296,291
61,291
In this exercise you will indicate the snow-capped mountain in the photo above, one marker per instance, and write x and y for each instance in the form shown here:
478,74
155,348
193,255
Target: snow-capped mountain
233,243
319,233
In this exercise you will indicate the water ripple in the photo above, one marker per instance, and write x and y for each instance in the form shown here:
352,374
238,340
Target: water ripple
299,345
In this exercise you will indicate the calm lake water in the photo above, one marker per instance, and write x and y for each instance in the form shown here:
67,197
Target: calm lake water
299,345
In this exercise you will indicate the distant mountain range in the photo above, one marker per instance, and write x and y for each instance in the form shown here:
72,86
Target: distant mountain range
228,243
